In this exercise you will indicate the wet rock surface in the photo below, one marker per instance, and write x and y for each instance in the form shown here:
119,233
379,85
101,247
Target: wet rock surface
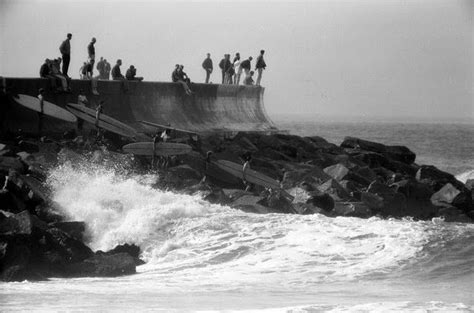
359,178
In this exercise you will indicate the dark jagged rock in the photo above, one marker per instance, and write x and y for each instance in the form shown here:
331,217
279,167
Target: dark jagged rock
11,163
321,200
132,250
73,229
436,178
353,209
102,265
398,153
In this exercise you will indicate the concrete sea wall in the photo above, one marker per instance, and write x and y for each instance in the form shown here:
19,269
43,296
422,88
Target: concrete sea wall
212,108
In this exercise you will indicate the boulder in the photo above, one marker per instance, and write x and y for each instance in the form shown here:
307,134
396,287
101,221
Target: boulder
321,200
373,201
340,172
333,188
436,178
276,201
28,146
354,209
102,265
132,250
447,194
22,223
72,229
251,204
10,163
398,153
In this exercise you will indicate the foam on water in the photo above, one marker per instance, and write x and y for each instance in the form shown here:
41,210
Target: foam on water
210,257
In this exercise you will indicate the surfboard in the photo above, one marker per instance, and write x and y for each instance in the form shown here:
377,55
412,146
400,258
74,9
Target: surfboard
106,122
250,175
162,148
49,108
161,126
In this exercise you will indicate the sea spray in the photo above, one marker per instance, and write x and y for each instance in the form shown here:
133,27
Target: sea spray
188,237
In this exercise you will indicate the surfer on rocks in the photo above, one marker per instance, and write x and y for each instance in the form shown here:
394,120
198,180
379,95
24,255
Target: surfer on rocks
247,157
41,113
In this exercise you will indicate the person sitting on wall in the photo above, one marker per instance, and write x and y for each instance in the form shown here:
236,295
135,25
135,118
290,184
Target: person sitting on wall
183,79
249,80
131,74
174,74
45,72
116,73
55,71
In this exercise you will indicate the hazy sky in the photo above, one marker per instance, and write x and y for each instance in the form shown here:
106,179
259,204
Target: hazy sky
385,58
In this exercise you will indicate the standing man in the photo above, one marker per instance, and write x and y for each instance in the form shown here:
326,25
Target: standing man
207,66
224,64
91,52
106,70
246,66
65,49
237,68
100,67
260,66
116,73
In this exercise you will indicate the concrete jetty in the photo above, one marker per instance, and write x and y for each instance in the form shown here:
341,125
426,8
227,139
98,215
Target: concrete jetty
213,108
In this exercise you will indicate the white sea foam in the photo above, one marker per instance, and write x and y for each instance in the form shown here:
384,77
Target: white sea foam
206,257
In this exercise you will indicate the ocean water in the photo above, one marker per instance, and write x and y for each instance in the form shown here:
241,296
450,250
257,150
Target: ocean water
210,258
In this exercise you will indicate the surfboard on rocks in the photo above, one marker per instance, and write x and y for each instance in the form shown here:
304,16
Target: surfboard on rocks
160,148
49,108
106,122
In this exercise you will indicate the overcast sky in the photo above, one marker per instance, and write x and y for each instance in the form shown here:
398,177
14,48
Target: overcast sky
369,58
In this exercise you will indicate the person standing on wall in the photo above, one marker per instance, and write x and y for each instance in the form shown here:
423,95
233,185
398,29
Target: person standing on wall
91,52
65,49
260,66
208,67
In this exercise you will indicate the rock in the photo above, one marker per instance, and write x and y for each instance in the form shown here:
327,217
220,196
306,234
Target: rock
7,202
307,209
337,171
436,178
11,163
453,214
101,265
469,184
248,203
20,224
276,201
354,209
28,146
449,194
398,153
446,194
71,250
132,250
72,229
333,188
373,201
321,200
217,196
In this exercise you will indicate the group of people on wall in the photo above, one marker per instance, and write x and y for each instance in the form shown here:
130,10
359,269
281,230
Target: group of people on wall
231,70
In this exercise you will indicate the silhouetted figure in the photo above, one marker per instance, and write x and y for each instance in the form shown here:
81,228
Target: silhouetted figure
260,66
65,49
106,69
224,65
208,67
91,53
249,79
116,73
237,69
131,74
245,65
101,68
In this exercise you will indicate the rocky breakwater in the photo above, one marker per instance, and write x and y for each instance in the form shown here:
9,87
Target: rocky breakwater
36,240
359,178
